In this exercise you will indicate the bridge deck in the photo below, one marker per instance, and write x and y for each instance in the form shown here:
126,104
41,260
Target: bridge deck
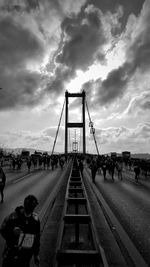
77,231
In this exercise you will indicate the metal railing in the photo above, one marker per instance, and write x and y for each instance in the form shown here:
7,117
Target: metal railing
77,244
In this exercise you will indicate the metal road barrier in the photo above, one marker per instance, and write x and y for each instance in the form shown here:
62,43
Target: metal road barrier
77,244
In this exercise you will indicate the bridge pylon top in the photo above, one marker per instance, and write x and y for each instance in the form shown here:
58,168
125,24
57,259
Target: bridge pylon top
82,94
75,124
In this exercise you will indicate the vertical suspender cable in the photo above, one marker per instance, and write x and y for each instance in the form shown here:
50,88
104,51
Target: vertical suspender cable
80,141
58,128
69,140
93,130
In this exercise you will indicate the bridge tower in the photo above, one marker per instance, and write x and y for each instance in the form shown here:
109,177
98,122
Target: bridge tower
75,124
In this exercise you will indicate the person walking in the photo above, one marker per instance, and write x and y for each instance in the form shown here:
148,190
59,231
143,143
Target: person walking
112,169
81,167
93,167
29,164
104,169
119,168
137,172
61,162
21,231
2,183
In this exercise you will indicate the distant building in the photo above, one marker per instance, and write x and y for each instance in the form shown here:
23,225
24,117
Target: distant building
36,155
25,154
113,155
126,155
45,154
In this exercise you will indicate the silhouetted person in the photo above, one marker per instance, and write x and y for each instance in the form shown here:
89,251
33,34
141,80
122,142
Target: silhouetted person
2,183
21,230
29,164
93,167
137,172
61,163
48,162
104,169
13,163
52,163
119,169
130,165
81,167
44,161
112,169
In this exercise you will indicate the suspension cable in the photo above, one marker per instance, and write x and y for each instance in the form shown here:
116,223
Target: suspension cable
80,141
92,128
58,128
69,140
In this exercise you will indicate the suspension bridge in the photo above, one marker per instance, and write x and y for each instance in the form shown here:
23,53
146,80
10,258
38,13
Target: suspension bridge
76,145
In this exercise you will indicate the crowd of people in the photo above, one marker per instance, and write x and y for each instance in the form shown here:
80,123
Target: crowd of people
40,161
108,166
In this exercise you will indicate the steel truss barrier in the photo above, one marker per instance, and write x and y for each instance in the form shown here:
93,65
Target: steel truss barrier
77,244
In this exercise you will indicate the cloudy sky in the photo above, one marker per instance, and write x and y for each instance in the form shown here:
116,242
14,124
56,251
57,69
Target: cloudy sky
50,46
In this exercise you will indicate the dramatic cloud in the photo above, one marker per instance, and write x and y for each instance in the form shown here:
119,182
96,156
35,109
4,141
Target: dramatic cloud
137,43
139,52
84,36
81,41
56,83
112,87
106,91
129,6
28,46
138,105
24,5
20,90
18,47
17,44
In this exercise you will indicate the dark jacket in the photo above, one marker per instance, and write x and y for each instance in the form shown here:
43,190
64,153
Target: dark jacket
2,178
30,226
93,166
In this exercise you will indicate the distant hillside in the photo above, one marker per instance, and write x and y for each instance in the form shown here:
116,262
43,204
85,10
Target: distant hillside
141,155
17,151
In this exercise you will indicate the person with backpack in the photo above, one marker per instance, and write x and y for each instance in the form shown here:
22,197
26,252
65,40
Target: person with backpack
21,231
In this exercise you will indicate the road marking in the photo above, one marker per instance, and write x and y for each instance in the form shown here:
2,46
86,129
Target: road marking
19,179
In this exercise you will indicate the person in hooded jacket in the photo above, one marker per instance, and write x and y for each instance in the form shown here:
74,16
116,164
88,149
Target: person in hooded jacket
21,230
2,183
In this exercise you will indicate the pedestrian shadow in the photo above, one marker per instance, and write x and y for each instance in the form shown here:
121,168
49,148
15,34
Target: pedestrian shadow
109,180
